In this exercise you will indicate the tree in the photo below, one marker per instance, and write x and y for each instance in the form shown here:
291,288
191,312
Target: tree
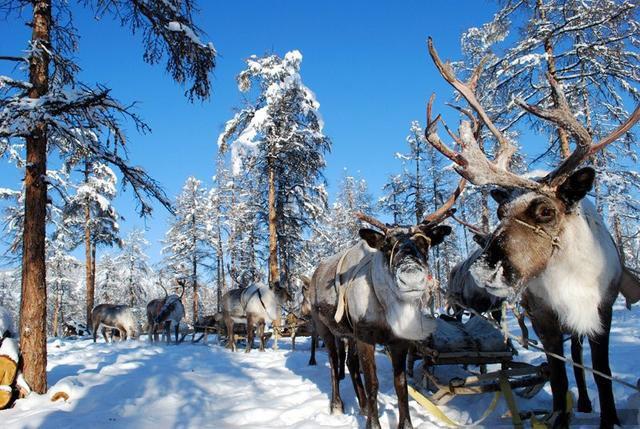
72,117
89,213
279,139
188,240
134,269
61,277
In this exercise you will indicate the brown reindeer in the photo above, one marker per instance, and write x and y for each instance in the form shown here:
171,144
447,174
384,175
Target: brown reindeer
371,293
551,246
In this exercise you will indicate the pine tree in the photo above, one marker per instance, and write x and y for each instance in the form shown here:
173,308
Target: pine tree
188,240
134,269
90,214
279,139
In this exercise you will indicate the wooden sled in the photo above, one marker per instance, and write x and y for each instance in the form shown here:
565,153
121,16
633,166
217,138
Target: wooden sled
480,343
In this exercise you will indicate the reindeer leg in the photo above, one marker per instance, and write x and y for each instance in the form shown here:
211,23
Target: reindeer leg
177,329
104,334
94,330
249,333
399,360
342,355
231,341
314,343
546,325
411,360
366,352
263,340
584,404
354,371
336,406
600,358
167,331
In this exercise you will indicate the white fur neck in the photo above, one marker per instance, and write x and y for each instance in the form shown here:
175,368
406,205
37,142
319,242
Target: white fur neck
580,273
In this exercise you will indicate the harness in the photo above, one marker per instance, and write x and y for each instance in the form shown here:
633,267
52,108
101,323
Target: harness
248,298
555,240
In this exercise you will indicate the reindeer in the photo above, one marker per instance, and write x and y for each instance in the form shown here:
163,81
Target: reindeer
371,293
171,313
153,310
551,247
255,305
113,316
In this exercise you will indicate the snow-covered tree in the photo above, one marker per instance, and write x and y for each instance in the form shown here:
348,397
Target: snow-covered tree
188,240
70,117
339,227
278,138
62,282
135,271
89,214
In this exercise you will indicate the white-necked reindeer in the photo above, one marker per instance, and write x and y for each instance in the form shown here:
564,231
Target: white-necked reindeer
113,316
551,246
171,313
372,294
256,305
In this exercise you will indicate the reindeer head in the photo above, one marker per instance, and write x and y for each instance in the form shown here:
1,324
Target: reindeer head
171,303
283,295
533,213
405,249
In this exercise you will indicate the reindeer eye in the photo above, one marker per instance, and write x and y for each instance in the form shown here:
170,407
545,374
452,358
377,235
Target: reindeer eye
545,213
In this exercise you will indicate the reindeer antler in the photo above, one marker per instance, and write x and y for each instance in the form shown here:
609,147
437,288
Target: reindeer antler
445,210
373,221
471,162
564,119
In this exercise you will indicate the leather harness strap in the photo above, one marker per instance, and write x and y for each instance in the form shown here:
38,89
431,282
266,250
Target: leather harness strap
555,240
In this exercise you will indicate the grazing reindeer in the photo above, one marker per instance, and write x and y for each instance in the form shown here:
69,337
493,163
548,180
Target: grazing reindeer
171,313
153,310
551,246
112,316
371,293
255,305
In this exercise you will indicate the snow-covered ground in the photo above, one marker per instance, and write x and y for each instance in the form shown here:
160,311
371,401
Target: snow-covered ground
138,385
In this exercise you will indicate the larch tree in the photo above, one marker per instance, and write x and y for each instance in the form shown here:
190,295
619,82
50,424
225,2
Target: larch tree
72,117
279,138
134,269
188,239
89,214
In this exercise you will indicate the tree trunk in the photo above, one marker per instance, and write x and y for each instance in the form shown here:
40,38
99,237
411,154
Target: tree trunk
617,232
90,287
56,312
33,304
194,280
273,236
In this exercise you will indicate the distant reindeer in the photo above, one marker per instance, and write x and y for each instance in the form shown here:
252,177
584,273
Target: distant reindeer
113,316
255,305
371,293
171,313
154,307
551,247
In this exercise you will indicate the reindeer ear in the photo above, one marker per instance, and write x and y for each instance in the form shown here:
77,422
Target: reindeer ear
576,186
438,234
373,238
499,195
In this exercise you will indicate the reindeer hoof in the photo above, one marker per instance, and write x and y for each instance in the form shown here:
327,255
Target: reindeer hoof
406,424
312,362
247,350
337,408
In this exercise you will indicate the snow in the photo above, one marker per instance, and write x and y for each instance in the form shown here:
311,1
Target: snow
134,384
9,348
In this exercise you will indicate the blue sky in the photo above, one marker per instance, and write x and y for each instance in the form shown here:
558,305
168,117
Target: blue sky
366,61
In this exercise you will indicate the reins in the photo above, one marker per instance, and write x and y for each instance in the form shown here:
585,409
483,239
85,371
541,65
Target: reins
555,240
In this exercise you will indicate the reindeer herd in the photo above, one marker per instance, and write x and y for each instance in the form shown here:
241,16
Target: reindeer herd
551,252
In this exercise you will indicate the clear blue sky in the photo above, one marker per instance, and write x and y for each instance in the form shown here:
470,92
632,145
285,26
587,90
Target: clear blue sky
366,61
